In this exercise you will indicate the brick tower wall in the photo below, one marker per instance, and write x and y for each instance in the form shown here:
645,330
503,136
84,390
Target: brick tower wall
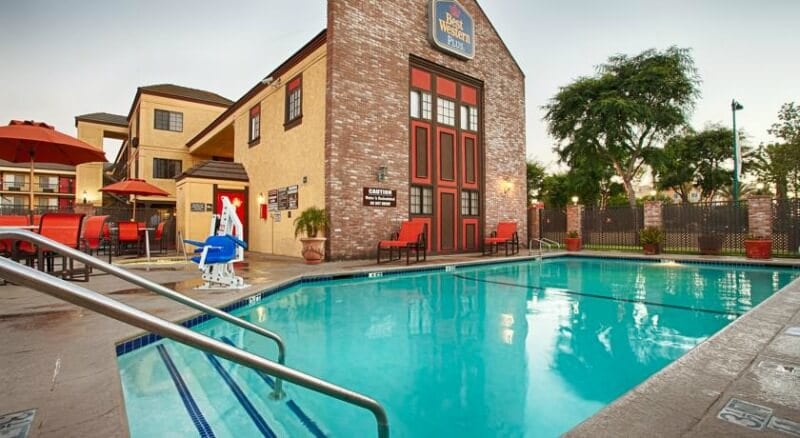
369,47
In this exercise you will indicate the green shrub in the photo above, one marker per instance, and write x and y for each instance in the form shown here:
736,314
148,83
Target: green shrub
651,235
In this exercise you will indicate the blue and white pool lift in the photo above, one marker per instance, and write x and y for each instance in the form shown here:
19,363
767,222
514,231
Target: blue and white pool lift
224,247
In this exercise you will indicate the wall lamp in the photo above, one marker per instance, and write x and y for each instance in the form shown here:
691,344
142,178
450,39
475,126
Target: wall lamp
381,175
575,200
85,197
506,186
261,198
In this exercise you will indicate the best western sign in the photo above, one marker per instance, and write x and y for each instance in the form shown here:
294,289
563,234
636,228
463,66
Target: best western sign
451,28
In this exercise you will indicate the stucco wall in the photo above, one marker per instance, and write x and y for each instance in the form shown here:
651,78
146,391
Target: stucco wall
157,143
284,156
89,177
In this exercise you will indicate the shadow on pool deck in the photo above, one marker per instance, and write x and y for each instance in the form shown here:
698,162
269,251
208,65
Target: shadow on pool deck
60,359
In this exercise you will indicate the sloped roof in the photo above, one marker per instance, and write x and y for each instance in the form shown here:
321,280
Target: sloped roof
186,93
106,118
216,170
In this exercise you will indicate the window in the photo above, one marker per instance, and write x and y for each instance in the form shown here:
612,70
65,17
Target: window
14,182
48,184
420,105
294,102
255,125
470,203
469,118
169,121
421,200
166,169
445,111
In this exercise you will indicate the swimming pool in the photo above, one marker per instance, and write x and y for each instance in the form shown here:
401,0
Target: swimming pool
514,349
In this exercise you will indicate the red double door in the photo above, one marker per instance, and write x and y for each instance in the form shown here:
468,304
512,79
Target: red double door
446,160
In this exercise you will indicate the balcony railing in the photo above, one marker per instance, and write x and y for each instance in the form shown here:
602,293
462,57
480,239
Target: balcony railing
24,187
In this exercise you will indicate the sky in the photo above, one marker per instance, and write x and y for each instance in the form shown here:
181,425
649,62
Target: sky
62,58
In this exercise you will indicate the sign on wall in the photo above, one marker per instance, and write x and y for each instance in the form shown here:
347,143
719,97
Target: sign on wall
198,207
452,29
376,197
283,198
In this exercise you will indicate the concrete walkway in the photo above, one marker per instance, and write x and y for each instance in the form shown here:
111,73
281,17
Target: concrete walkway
59,359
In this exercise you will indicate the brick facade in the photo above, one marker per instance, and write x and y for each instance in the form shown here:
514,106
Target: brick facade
533,222
369,47
652,214
759,216
575,218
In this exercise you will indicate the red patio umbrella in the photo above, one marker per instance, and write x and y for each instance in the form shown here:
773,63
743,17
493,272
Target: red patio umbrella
133,186
29,141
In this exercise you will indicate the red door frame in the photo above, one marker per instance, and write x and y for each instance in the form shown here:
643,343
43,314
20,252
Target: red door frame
243,194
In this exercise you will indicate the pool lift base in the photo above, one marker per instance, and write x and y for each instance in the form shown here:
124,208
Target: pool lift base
224,247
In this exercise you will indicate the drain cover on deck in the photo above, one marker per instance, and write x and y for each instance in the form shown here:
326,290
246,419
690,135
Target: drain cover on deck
17,424
784,425
742,413
793,331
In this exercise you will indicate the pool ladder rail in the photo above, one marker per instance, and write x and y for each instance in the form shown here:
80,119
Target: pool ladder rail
542,242
88,299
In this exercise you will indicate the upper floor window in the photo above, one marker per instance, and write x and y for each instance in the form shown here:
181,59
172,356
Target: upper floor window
469,118
166,169
445,111
294,102
254,125
420,105
169,120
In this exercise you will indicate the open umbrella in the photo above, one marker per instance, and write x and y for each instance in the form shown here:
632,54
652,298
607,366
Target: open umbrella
133,186
29,141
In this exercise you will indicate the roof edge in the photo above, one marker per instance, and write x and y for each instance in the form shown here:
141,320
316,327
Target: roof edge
316,42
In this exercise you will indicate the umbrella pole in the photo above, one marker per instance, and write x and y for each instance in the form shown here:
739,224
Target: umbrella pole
133,219
30,190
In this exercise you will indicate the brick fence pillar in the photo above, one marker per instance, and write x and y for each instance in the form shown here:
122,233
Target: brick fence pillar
574,218
533,222
759,216
652,214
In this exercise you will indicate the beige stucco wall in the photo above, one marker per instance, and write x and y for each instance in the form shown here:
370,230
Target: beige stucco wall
157,143
283,157
89,177
195,225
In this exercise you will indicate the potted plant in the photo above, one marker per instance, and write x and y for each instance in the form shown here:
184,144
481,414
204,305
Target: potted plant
651,238
573,241
311,222
758,247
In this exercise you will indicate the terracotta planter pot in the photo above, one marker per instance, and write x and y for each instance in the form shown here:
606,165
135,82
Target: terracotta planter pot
572,243
651,248
758,249
313,249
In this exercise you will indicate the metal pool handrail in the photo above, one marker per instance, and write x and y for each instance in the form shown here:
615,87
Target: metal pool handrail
152,286
94,301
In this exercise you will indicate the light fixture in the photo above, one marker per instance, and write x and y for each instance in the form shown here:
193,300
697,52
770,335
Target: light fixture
737,158
261,198
305,179
381,173
85,197
506,185
653,194
575,200
760,186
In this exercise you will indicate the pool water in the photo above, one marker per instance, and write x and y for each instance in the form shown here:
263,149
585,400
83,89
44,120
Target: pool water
514,349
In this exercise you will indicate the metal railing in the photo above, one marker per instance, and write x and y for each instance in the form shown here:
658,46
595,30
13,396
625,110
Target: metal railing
80,296
543,241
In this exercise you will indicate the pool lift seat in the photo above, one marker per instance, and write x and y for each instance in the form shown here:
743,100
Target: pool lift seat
223,247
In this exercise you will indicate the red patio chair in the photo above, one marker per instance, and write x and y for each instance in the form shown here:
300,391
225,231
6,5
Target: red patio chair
410,237
7,245
128,235
64,228
505,235
93,238
159,237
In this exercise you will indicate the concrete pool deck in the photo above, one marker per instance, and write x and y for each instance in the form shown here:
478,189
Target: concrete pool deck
60,360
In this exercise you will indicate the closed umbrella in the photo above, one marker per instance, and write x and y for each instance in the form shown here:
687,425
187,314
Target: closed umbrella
37,142
133,186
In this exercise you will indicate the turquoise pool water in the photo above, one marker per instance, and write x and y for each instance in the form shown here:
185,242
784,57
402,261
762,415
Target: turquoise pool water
516,349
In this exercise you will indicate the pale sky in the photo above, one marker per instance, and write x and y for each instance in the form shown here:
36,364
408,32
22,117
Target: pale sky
62,58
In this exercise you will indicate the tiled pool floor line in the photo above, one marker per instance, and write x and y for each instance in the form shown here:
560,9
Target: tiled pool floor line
61,360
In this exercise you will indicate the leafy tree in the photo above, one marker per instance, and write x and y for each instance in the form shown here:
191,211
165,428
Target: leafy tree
695,159
536,174
625,110
788,125
592,185
779,164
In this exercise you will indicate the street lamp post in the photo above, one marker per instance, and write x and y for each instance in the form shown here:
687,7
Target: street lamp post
735,106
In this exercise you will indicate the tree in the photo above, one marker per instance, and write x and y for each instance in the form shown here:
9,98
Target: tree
779,164
536,174
625,110
788,125
694,159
